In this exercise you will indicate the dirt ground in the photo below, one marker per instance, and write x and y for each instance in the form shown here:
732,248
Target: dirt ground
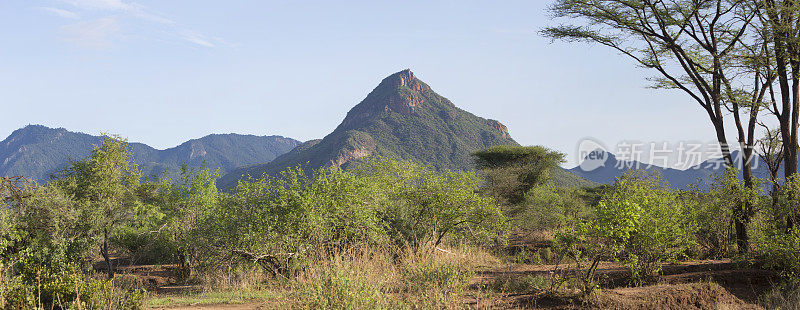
709,284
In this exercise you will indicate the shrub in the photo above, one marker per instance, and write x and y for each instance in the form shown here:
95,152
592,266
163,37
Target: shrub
292,216
342,284
782,252
278,222
420,206
145,246
549,207
638,222
47,287
785,296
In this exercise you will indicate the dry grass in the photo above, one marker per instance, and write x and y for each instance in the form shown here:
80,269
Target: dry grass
442,278
232,278
429,278
782,297
367,279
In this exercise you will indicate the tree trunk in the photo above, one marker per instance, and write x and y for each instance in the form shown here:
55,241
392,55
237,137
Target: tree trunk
746,207
791,161
106,257
787,117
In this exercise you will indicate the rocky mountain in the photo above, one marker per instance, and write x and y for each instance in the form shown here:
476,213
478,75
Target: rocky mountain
37,151
701,174
401,118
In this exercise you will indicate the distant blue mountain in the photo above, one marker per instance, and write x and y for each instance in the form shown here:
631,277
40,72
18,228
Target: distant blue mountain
701,174
37,151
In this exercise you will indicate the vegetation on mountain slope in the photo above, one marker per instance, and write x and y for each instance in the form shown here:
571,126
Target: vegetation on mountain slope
37,151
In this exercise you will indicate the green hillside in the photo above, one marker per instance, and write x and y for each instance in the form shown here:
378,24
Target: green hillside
37,151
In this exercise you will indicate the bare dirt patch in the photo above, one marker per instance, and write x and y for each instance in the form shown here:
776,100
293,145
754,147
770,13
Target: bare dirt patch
708,284
670,296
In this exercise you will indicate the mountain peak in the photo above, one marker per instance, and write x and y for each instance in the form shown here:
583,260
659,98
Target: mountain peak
404,78
401,118
401,92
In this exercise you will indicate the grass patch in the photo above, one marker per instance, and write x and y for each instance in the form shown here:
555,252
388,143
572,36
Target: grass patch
209,298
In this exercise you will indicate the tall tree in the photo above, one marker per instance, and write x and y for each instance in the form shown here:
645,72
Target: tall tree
782,19
691,45
106,182
753,58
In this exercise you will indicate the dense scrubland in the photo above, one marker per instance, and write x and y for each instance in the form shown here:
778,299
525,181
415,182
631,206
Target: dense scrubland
383,233
515,232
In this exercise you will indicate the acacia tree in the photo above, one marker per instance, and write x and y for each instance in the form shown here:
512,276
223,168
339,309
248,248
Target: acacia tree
513,170
106,183
693,45
753,58
781,18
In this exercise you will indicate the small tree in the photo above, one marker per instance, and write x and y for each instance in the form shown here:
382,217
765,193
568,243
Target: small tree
187,204
771,153
639,222
106,183
424,207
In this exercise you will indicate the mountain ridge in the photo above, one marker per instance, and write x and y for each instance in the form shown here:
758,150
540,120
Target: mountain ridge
701,174
36,151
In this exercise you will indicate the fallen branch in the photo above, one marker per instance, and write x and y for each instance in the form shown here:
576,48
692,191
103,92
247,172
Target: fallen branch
267,261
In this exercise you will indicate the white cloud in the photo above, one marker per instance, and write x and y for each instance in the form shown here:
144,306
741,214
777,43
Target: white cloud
113,5
93,34
101,31
61,12
195,38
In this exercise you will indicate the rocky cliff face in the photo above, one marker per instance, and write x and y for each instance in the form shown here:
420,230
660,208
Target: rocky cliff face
400,93
404,102
500,128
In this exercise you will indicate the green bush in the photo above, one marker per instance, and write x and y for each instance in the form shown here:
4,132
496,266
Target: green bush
549,207
45,287
782,252
422,207
377,203
639,222
294,214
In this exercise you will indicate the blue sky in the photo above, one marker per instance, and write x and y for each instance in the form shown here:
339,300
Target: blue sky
162,72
